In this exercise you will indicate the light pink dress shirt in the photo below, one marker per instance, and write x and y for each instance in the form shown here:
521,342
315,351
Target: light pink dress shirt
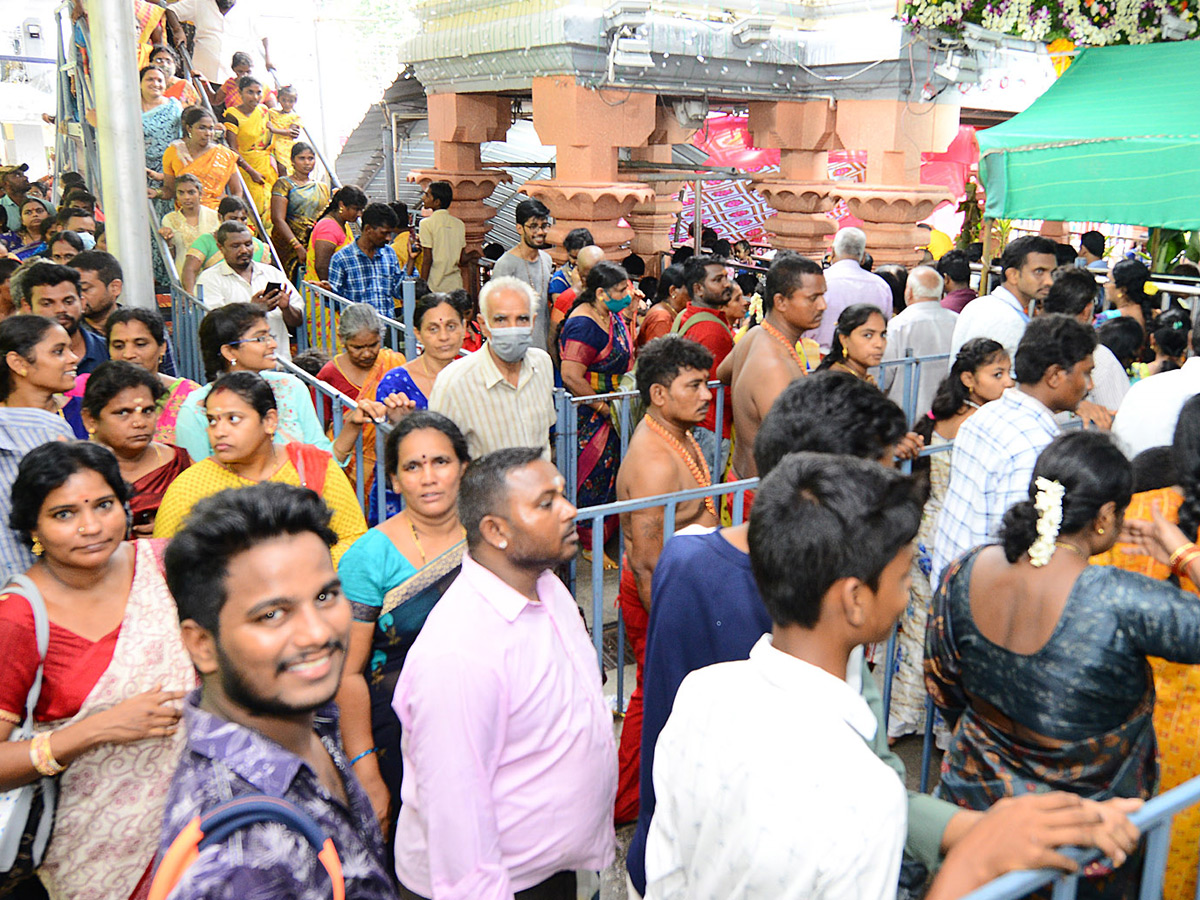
509,762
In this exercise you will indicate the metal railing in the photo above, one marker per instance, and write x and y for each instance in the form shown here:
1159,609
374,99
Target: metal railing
332,422
1154,821
566,433
322,308
187,312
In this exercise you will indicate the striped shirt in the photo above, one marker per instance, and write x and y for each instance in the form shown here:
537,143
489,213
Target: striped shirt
992,462
21,430
490,411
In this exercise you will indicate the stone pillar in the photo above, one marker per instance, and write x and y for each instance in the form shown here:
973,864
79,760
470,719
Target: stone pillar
587,130
1056,231
458,124
800,192
893,200
653,220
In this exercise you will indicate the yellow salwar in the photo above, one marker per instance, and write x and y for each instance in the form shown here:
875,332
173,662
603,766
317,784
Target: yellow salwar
254,144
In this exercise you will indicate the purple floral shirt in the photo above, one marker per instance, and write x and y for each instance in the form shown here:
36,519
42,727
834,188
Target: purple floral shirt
223,760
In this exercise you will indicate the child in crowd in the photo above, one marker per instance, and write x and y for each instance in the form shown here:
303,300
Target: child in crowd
286,125
228,93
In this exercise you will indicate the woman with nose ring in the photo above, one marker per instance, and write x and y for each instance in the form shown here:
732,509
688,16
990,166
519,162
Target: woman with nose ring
120,408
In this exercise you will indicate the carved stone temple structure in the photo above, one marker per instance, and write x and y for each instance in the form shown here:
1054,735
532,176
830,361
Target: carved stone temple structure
612,85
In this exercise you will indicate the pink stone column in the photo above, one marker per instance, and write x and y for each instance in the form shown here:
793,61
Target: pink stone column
654,220
893,200
587,127
458,124
800,192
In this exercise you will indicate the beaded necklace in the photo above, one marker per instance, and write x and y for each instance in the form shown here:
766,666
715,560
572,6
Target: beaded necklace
791,348
699,471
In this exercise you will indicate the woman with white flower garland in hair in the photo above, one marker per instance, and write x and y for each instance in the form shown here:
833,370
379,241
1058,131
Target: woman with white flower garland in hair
1038,660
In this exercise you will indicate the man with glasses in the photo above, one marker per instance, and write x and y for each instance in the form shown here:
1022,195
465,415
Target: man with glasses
530,263
240,279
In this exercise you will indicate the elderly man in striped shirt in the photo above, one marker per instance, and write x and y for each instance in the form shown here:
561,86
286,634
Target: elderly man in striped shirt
503,395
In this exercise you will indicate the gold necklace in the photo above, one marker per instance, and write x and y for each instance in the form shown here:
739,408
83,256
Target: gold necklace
416,540
699,470
845,367
791,348
1069,546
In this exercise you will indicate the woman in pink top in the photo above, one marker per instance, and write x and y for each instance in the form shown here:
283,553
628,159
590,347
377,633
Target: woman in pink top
332,231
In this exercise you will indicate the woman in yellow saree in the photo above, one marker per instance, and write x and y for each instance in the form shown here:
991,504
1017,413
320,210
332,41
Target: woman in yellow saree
249,132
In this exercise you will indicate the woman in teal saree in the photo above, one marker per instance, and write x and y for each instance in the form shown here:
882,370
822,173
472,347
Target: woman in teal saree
393,577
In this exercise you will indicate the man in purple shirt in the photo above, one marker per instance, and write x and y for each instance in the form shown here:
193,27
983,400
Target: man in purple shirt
847,283
267,626
955,269
510,769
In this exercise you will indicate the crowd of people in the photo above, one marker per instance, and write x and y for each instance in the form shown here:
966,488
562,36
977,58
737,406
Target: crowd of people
198,611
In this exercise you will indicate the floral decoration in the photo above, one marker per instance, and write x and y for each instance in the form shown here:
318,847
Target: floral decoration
1095,23
1048,503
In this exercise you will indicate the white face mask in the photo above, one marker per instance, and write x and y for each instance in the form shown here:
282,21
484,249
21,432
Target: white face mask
89,240
511,344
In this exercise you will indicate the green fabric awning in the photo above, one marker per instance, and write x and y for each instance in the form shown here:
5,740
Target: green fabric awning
1116,139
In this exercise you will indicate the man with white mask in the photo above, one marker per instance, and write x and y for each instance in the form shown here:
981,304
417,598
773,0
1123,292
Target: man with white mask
502,395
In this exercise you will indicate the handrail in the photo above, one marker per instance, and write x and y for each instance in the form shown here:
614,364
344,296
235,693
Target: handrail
163,248
1153,820
339,403
187,311
323,305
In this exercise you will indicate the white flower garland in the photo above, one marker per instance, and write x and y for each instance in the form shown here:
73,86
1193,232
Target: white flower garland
1048,503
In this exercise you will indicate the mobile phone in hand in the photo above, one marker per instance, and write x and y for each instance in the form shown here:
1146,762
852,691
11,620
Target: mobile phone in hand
273,286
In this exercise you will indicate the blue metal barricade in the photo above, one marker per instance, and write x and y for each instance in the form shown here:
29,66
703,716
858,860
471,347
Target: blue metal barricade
322,308
339,404
595,515
186,314
1154,820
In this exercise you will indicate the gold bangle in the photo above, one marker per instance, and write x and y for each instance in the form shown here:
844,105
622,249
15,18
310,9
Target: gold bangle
42,756
1179,551
1186,559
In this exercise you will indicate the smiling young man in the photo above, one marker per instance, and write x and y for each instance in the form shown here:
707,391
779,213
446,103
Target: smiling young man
52,291
509,765
265,622
530,262
663,457
766,360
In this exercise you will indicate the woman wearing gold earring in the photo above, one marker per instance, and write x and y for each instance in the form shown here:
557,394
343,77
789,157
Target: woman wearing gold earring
242,426
138,336
28,418
106,717
858,342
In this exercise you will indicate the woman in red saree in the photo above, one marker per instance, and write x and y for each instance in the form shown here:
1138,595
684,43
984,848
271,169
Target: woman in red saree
106,719
120,406
357,370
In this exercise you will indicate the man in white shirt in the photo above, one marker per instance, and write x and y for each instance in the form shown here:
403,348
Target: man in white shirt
1073,293
847,283
924,327
239,279
503,394
529,262
1146,417
1002,315
797,739
996,448
222,28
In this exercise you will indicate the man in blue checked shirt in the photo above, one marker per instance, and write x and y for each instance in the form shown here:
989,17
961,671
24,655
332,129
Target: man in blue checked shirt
367,270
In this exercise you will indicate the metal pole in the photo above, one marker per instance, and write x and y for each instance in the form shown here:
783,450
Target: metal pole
409,289
389,152
119,135
697,211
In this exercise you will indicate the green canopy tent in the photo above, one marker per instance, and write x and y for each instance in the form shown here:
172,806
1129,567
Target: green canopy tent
1116,139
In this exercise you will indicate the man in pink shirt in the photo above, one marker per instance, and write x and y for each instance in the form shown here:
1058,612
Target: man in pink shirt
509,761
